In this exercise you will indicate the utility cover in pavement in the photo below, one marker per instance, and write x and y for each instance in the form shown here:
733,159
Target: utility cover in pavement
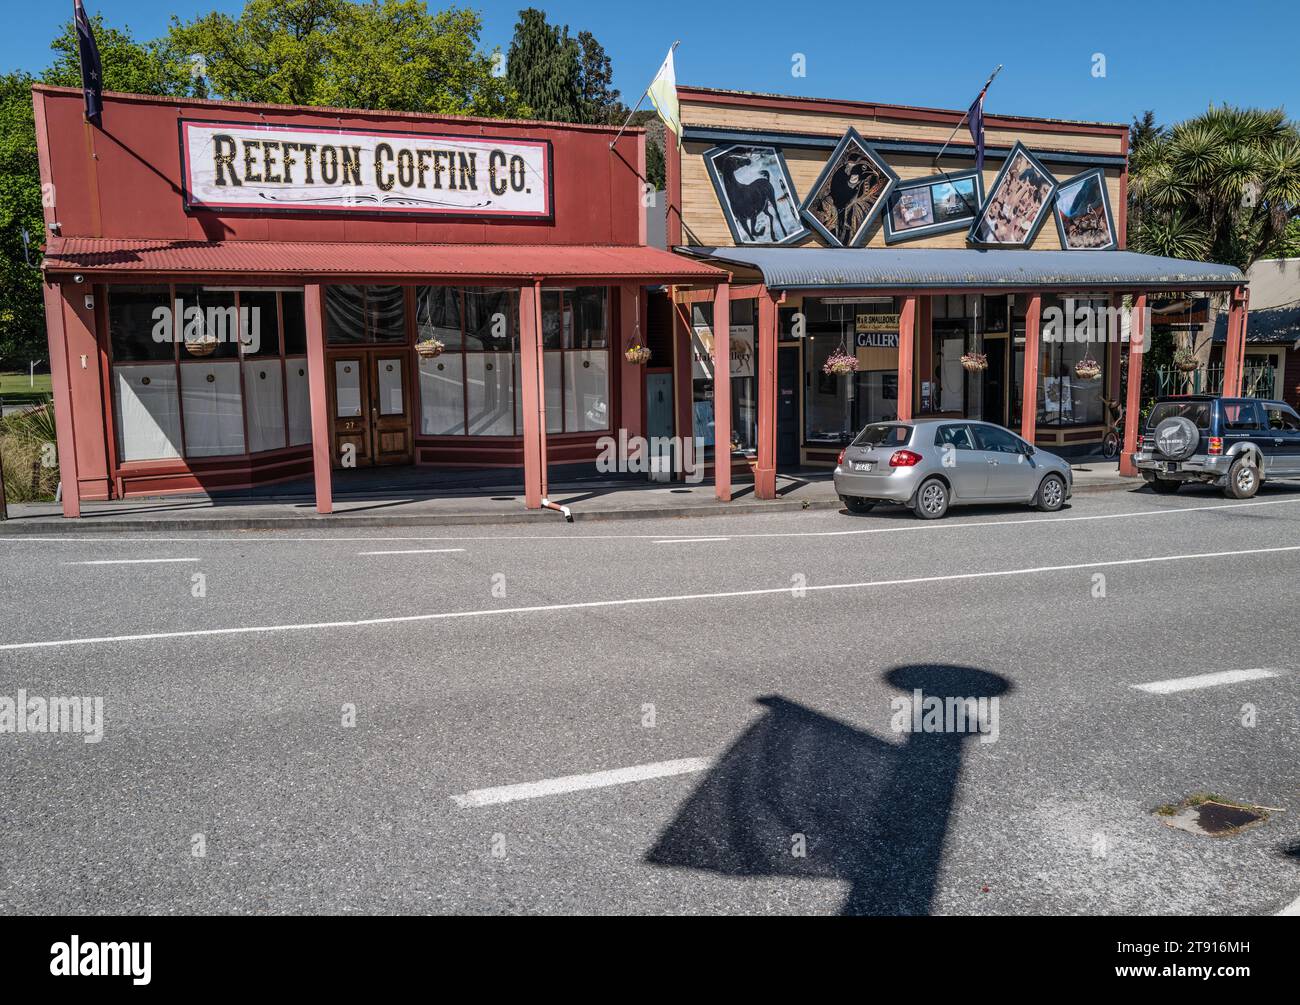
1210,817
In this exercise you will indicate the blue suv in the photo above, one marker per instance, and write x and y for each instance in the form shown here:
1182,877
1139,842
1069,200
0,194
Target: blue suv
1233,443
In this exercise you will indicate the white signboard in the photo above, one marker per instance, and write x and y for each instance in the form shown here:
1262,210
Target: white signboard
296,169
742,352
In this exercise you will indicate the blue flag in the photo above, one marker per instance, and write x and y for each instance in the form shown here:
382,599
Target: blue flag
975,118
92,75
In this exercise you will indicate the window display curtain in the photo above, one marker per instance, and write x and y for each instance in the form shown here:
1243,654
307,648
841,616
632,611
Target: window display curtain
214,410
148,412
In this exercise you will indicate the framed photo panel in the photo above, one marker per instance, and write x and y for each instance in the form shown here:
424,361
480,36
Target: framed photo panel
1082,211
849,193
1018,202
933,205
757,196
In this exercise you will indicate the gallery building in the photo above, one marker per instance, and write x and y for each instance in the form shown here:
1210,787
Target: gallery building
880,273
239,294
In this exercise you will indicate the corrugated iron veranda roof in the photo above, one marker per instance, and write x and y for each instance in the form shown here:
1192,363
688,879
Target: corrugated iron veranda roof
945,268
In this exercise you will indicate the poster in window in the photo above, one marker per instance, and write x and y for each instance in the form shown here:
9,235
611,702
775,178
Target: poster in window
1017,204
849,193
756,194
1082,211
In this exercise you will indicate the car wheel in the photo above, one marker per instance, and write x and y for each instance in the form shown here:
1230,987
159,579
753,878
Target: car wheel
931,500
1051,494
1243,479
855,504
1165,486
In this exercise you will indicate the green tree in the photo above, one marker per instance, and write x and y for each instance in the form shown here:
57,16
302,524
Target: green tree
22,316
600,99
385,54
128,66
545,67
1224,185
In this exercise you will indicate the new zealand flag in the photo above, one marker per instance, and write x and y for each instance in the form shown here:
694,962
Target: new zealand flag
92,75
975,117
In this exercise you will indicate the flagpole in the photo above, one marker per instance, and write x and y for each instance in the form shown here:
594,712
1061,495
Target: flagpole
964,116
623,127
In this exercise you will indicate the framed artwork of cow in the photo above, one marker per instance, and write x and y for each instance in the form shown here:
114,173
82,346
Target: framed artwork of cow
849,193
757,196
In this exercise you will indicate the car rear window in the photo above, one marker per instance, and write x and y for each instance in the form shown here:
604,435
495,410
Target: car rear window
1241,415
1197,411
882,434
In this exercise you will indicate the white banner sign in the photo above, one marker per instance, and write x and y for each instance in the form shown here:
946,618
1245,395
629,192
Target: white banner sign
742,352
278,168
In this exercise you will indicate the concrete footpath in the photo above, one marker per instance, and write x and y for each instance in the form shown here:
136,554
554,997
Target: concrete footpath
412,506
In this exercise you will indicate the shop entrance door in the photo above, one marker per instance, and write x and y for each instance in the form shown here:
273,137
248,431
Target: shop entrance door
994,397
371,406
787,409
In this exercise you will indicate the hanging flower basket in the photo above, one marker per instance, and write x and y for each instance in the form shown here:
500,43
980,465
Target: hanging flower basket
1087,369
637,355
201,347
1185,361
840,362
429,348
974,361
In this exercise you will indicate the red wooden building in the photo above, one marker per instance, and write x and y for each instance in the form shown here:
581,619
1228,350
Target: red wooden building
239,293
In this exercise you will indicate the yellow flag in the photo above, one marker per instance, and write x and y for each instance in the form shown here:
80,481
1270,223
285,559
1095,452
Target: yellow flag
663,95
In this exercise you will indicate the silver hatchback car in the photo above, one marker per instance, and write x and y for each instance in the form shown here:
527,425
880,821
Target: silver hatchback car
932,464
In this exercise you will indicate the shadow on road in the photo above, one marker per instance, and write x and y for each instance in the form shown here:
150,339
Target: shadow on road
870,811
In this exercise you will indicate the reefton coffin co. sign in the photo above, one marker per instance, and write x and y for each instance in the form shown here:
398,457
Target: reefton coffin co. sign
298,169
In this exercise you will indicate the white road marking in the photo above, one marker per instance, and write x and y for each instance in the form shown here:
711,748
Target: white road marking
636,601
690,540
952,523
576,783
1204,680
131,561
414,551
1292,910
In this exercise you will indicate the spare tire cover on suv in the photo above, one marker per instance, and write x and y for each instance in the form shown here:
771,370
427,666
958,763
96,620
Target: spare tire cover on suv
1176,437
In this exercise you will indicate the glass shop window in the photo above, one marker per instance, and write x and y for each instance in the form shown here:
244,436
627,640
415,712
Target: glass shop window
227,383
357,315
575,342
837,406
138,331
1071,340
744,388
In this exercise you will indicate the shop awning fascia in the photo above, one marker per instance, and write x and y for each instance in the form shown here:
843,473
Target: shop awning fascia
811,269
305,261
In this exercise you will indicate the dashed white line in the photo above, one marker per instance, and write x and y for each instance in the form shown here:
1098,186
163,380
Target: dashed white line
577,783
637,601
132,561
1204,680
414,551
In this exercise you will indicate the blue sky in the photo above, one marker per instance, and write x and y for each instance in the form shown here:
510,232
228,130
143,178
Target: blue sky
1172,57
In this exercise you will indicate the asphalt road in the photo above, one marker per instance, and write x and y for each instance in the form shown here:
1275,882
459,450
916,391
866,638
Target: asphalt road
744,666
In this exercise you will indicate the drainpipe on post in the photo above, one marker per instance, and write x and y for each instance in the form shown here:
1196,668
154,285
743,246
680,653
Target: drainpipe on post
539,375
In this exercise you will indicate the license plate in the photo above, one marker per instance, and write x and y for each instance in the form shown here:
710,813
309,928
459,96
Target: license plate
863,465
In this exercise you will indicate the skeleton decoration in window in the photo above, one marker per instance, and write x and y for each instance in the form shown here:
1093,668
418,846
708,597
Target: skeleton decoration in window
850,192
1018,202
756,194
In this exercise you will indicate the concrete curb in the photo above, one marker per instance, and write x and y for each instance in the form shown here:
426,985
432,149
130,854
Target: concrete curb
50,526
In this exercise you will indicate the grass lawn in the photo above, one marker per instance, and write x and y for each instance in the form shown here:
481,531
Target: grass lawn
15,385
